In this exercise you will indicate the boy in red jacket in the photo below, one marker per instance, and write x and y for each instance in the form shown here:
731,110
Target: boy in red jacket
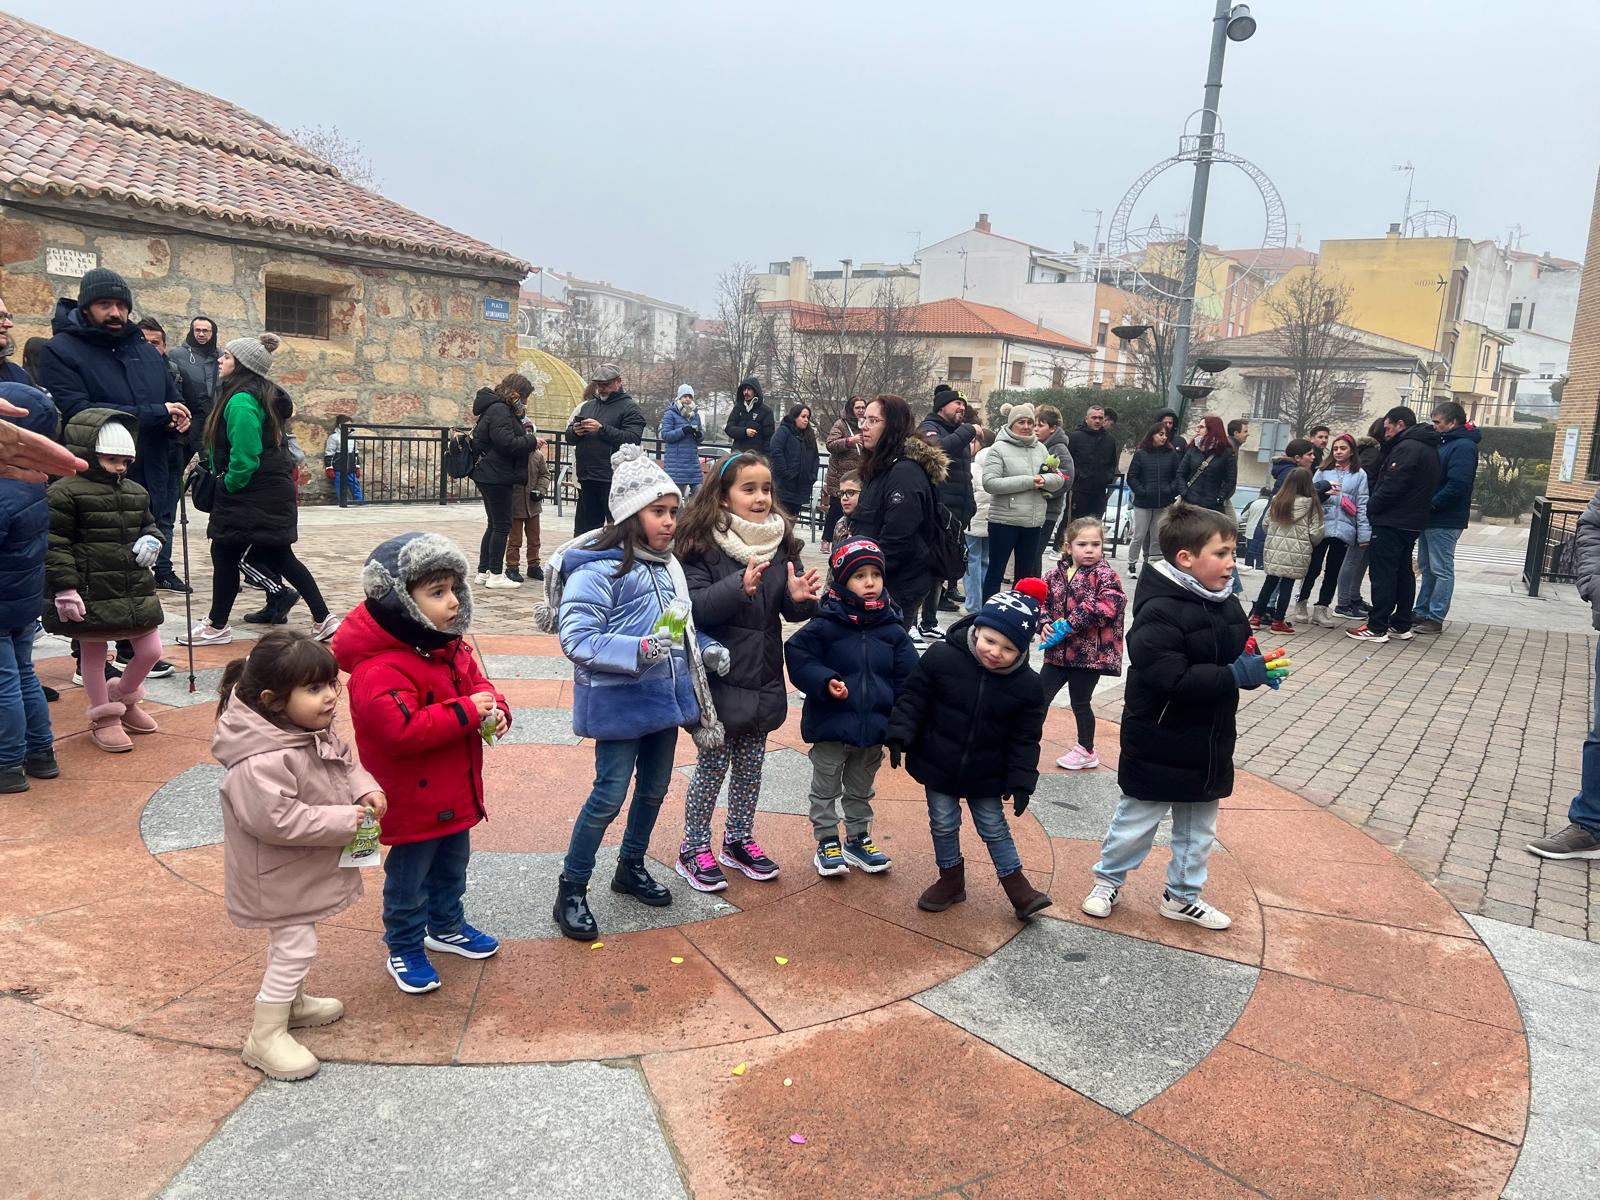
419,701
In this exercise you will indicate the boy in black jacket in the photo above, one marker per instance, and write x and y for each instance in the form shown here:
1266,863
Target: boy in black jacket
969,724
1187,663
851,660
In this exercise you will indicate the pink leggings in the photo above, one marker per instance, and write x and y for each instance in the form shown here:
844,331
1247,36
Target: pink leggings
146,650
288,960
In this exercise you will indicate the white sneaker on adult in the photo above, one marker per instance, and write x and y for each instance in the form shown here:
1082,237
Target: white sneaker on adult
324,629
1195,911
500,582
204,635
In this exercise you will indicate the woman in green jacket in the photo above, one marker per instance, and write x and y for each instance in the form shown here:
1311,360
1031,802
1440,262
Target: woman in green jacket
254,511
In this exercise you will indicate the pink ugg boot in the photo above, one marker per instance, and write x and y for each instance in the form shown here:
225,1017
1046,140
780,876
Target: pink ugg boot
105,727
134,718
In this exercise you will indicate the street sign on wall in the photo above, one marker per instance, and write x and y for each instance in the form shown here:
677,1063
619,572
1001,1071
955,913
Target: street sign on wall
1569,454
496,310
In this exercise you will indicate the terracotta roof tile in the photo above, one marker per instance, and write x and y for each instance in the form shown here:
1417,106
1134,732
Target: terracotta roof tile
938,318
77,122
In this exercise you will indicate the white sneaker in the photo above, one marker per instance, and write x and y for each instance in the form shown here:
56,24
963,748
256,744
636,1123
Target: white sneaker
1101,900
917,640
482,578
1197,912
501,582
204,635
324,629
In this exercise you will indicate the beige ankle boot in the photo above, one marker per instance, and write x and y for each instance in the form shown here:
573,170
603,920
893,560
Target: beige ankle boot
308,1011
134,718
1321,616
271,1050
105,728
1299,613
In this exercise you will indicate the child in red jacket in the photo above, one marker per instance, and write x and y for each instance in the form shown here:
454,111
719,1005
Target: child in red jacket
419,700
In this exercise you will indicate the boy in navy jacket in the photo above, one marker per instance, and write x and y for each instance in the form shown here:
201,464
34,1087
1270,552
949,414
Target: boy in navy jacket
851,660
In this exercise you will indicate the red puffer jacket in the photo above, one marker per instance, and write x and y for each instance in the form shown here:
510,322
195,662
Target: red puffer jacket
416,729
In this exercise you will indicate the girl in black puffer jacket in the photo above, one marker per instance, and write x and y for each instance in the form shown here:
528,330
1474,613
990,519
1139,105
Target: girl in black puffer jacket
1155,479
503,445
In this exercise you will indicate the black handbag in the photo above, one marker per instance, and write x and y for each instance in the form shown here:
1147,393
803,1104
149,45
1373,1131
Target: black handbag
202,487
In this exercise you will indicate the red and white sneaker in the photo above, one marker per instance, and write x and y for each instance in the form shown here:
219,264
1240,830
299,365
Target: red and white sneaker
699,866
742,854
1363,634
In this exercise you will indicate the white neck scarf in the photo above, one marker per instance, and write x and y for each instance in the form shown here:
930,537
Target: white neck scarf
748,542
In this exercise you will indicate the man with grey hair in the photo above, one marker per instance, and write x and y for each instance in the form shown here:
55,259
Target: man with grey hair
1094,455
607,418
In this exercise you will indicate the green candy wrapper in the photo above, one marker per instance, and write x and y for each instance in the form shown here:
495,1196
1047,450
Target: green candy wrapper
486,730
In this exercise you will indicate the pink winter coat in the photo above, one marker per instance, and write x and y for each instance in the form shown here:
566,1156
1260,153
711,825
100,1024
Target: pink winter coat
288,809
1092,603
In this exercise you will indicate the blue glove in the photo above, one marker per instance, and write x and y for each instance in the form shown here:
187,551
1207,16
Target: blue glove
1059,632
1249,670
146,550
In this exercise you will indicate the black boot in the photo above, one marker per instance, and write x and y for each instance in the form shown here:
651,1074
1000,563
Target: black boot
276,610
633,880
572,911
42,766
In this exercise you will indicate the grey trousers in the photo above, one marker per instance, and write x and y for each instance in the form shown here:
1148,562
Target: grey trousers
1350,576
1142,540
838,770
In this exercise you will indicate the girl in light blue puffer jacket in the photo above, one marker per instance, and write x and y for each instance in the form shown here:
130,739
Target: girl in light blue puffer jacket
620,603
1342,484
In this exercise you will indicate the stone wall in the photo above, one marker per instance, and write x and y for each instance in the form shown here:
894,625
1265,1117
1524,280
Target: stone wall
1580,396
405,346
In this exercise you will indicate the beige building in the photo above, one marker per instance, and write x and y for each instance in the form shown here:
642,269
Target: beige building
206,209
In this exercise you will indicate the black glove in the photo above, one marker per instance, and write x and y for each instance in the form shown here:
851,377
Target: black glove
1019,802
895,751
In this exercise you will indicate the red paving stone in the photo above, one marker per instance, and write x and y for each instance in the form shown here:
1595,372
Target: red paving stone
1120,1159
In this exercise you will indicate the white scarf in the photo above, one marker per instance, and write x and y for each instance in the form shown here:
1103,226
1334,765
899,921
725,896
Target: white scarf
1190,584
747,542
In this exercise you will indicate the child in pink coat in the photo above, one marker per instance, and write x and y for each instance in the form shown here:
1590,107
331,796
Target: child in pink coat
1083,613
292,799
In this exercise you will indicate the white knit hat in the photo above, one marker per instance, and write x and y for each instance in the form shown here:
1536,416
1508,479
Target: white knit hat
115,438
684,390
636,482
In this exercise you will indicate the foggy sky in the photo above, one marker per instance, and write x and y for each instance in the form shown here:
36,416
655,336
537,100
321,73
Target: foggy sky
651,144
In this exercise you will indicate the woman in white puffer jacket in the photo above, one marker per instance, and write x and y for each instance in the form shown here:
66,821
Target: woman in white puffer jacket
1020,486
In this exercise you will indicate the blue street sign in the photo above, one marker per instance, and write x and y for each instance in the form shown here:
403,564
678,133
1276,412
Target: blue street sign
496,310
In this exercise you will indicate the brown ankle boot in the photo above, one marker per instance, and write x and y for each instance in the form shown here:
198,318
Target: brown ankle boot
951,889
105,728
1025,899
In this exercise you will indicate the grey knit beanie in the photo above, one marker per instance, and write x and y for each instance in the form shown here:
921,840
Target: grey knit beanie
398,563
636,482
254,353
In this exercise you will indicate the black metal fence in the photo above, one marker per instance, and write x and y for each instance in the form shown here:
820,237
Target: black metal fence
1552,543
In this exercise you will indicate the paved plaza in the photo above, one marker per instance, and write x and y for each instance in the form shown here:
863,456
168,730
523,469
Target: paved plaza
1401,1009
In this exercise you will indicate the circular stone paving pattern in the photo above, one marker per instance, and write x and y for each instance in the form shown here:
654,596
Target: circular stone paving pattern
1349,1025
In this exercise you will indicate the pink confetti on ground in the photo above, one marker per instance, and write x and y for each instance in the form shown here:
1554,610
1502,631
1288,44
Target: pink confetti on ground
799,1139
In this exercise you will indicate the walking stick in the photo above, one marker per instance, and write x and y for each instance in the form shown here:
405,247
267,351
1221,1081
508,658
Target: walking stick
188,595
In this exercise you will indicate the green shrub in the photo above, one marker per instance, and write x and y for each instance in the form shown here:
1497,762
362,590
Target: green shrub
1502,490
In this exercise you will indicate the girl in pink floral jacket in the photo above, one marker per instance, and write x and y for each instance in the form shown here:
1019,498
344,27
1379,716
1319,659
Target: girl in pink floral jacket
1083,612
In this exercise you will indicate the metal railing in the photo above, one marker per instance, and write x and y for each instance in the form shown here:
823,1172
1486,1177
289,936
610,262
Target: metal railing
1552,543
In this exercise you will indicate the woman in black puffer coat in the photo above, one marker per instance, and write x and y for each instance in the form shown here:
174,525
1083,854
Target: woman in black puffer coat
503,445
1155,480
794,459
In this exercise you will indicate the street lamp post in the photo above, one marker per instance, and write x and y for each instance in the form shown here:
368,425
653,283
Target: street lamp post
1232,22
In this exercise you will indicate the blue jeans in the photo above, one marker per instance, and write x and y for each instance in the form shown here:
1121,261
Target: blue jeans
1133,832
24,716
423,883
1436,559
988,816
1585,808
350,483
165,506
977,564
614,763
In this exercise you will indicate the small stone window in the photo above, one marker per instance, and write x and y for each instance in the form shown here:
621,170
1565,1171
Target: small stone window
297,314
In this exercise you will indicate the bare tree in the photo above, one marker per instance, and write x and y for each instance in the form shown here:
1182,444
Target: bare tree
1307,315
740,314
349,157
1155,303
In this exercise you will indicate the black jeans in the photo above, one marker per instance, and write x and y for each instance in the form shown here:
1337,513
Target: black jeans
497,508
1273,602
165,506
910,607
1080,683
1329,557
1004,540
835,511
1394,587
1089,504
594,496
225,560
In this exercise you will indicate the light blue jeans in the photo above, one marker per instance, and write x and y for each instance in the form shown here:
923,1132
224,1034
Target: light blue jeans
24,716
1436,560
988,817
1133,832
977,564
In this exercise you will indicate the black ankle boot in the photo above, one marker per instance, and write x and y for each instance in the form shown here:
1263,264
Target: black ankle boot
633,880
572,911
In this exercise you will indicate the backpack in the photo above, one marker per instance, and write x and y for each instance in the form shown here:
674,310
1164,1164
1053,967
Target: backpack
460,455
947,544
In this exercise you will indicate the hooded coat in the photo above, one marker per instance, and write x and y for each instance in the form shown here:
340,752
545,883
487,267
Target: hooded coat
754,415
95,518
621,424
85,366
966,730
794,465
197,373
288,809
955,438
682,433
1458,470
896,511
24,517
1402,494
1008,478
868,650
1180,704
502,443
256,499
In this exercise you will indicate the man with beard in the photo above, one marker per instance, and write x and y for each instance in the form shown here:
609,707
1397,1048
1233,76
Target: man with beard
196,361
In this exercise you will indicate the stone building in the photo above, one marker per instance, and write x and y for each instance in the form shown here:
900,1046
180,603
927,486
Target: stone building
1575,466
206,209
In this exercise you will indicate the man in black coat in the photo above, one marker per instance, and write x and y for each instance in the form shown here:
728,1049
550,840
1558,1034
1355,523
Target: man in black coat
1398,507
948,429
750,425
196,360
607,419
1094,456
10,372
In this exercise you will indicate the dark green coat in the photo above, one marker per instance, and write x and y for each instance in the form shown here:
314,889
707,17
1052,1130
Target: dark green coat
95,518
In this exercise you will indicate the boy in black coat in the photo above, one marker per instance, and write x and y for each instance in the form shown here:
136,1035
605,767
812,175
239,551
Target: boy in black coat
969,724
851,660
1187,663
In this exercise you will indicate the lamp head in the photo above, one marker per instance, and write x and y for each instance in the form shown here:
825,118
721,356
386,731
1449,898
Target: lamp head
1241,25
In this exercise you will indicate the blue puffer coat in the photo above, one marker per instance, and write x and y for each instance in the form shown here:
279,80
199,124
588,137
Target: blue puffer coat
871,652
24,518
682,457
1458,470
602,620
1337,523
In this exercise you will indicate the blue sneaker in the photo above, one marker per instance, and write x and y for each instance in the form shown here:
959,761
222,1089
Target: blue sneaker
860,852
466,941
412,971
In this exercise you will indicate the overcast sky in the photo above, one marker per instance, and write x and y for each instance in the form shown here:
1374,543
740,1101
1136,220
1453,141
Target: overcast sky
651,144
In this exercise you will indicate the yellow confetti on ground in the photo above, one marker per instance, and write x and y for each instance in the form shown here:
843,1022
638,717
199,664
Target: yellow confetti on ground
597,946
780,960
739,1070
788,1083
676,959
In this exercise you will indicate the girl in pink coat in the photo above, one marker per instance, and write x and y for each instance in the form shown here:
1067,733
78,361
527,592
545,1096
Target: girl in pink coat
292,799
1082,630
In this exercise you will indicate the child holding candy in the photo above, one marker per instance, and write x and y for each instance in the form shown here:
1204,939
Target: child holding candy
1083,611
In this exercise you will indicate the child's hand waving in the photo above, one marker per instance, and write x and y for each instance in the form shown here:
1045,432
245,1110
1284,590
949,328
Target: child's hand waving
753,571
804,587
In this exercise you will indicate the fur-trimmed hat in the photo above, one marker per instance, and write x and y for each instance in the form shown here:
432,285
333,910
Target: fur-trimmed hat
396,565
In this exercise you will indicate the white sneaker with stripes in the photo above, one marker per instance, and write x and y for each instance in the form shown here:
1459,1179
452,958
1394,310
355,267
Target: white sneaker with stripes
1196,911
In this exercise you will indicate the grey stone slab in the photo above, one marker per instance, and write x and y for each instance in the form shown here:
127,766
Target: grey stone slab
1554,1012
785,783
572,1131
541,727
1562,1144
174,689
1079,804
184,812
526,666
1543,955
1115,1018
510,895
